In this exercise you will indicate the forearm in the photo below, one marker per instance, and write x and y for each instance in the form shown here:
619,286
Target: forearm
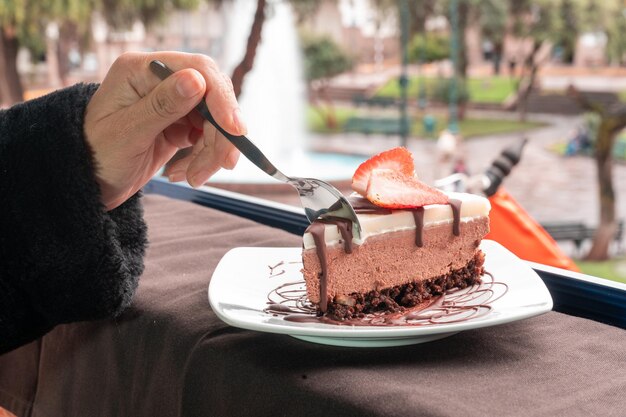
63,257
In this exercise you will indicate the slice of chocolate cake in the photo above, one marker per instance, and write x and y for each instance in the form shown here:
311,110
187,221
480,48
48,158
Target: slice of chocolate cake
405,256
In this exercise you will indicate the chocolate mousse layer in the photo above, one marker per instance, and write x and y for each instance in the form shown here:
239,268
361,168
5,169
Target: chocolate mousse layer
396,299
392,260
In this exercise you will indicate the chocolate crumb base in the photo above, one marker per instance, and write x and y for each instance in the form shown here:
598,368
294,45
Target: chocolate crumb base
396,299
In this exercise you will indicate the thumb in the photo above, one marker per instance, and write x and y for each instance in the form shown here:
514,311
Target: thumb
170,100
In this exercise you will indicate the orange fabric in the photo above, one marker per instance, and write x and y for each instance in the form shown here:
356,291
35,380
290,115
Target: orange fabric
31,94
516,230
5,413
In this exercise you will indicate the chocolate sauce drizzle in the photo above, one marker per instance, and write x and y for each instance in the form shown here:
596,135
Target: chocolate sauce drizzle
456,215
289,298
317,230
273,268
418,215
364,206
456,305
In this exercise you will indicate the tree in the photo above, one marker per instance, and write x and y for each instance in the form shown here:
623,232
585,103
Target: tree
252,44
24,22
123,13
487,13
608,17
19,20
301,8
568,29
419,12
612,121
323,59
534,23
617,37
492,18
10,86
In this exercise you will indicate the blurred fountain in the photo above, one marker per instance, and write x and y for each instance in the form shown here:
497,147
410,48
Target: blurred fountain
273,94
273,98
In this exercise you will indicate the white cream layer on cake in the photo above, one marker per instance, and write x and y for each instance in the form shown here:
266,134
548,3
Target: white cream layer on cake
472,207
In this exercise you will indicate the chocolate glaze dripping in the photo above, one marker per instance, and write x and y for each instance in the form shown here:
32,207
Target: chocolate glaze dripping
418,215
345,229
317,230
456,214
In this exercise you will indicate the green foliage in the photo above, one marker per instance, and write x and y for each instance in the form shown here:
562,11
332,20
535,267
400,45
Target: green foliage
419,11
304,8
29,18
122,13
492,16
20,13
595,14
429,47
536,19
616,31
568,28
323,58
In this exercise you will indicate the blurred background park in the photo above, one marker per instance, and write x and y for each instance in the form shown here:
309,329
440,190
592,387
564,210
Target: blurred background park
324,84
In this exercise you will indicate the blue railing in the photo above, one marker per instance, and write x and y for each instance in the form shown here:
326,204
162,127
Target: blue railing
575,294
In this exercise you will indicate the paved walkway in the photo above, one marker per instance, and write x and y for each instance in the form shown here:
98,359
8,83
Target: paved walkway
549,186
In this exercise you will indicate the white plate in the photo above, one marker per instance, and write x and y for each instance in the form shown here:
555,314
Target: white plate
240,285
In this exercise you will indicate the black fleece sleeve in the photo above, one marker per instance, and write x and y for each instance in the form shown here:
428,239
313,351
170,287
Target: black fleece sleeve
63,257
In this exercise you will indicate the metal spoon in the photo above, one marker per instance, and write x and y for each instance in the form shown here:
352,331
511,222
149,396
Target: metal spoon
319,198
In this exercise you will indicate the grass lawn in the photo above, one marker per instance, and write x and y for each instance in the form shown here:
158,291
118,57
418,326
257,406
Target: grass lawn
481,90
490,90
478,127
615,269
316,122
468,127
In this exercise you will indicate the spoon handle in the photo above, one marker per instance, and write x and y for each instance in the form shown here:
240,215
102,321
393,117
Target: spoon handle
245,145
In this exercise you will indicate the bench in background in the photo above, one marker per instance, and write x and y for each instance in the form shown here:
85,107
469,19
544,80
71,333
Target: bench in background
578,232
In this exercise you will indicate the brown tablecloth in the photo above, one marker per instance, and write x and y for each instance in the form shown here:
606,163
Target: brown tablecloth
169,355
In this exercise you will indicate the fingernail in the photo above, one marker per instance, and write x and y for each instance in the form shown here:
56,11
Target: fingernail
238,122
176,176
196,181
231,159
189,86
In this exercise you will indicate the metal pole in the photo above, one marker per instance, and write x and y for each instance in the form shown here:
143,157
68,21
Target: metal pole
421,77
404,81
454,55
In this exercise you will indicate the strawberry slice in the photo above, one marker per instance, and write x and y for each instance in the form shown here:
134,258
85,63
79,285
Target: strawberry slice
394,190
397,159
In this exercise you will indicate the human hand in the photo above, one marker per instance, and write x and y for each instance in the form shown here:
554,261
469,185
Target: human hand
135,123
